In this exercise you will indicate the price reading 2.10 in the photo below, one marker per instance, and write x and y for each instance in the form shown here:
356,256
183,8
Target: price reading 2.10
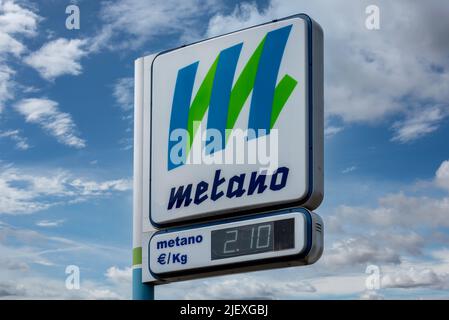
252,239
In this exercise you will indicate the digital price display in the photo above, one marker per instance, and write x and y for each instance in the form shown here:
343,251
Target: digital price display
253,238
284,238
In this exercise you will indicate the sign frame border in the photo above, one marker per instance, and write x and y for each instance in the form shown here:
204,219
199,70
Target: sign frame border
314,198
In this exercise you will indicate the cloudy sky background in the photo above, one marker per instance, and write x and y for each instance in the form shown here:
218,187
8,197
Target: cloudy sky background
66,100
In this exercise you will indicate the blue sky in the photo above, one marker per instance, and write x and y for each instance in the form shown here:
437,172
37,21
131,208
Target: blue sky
66,107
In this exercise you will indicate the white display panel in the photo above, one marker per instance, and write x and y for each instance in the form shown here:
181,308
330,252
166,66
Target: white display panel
188,192
277,239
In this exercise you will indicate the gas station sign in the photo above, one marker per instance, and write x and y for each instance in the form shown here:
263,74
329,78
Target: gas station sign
229,153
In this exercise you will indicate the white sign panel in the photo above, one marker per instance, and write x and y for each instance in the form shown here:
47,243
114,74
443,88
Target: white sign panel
255,243
236,124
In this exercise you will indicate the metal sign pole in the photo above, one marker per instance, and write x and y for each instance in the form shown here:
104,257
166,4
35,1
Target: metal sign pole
140,291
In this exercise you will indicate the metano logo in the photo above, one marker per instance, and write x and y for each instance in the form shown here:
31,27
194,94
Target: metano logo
224,101
236,187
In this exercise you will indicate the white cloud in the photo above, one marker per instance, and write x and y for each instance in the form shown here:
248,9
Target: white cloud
49,223
93,188
124,93
5,84
361,251
130,23
290,283
331,131
46,114
371,295
415,278
349,169
17,19
10,45
399,233
247,288
397,209
58,57
42,287
339,284
20,279
26,192
244,15
16,23
118,275
442,175
442,255
418,124
126,143
14,135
